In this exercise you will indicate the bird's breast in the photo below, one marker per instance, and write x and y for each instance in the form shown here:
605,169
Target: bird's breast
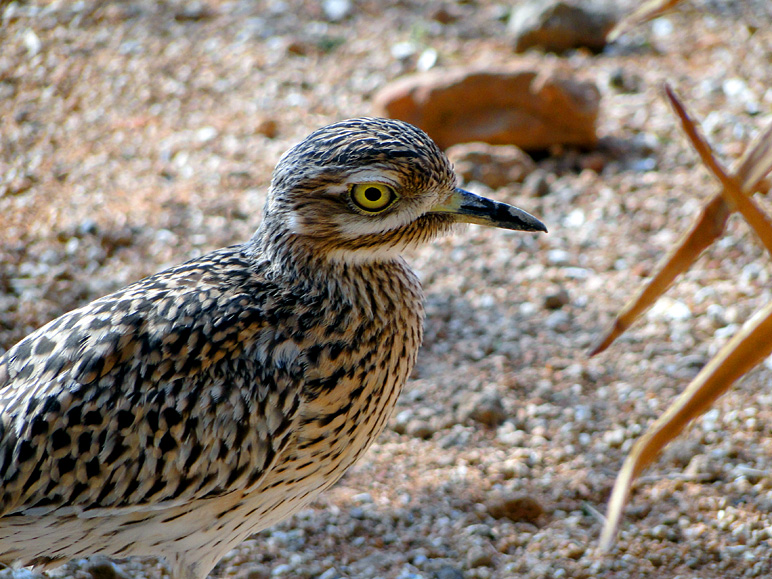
356,364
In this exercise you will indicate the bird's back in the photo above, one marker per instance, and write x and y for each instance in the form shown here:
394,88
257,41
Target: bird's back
197,406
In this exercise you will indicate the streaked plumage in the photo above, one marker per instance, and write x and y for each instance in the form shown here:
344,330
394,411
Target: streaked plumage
193,408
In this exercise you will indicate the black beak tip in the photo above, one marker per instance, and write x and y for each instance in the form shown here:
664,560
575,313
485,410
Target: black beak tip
534,224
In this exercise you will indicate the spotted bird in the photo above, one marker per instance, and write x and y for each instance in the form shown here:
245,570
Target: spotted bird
191,409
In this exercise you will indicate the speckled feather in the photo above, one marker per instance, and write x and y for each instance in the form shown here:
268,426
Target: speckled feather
193,408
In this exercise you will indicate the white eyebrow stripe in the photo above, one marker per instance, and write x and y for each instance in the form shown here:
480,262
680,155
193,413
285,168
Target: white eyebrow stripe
337,189
373,176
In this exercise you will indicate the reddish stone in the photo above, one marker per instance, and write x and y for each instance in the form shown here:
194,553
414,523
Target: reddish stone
494,165
532,109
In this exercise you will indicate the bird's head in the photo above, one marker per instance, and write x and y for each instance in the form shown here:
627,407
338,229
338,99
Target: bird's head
366,189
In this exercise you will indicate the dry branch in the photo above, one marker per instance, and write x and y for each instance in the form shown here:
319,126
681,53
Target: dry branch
744,351
709,225
649,11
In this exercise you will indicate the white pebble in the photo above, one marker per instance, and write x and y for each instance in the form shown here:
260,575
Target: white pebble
336,10
31,42
331,573
615,437
576,272
715,313
427,60
727,331
282,569
575,219
558,256
403,50
662,27
206,134
669,309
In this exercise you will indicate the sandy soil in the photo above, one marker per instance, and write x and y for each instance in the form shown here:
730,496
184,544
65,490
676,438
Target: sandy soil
136,134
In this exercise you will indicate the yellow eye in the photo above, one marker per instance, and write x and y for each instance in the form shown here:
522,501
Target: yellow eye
372,197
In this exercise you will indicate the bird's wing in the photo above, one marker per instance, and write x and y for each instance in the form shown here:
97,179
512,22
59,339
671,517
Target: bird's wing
161,393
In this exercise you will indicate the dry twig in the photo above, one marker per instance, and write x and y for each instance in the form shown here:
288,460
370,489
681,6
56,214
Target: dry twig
649,11
746,349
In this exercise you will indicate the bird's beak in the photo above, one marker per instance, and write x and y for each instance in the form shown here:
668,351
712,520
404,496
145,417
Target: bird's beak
467,207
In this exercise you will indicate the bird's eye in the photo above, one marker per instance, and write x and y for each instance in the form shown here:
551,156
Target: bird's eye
372,197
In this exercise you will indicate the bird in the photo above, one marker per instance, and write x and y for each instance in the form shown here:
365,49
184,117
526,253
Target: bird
185,412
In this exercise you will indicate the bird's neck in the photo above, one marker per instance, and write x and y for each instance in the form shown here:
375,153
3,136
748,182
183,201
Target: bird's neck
308,262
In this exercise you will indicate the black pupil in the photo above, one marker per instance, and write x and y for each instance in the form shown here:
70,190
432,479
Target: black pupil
373,194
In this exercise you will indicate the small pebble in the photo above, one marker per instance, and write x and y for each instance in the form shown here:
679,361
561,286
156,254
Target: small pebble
32,42
558,257
251,572
448,573
479,557
419,428
485,408
556,300
575,219
519,508
481,530
283,569
558,321
445,14
268,127
403,50
420,560
100,567
669,309
336,10
194,12
206,134
427,60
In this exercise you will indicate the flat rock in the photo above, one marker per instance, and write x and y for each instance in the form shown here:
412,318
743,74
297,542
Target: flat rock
558,25
493,165
531,106
519,508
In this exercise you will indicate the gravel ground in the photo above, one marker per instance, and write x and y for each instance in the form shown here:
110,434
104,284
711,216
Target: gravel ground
137,134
